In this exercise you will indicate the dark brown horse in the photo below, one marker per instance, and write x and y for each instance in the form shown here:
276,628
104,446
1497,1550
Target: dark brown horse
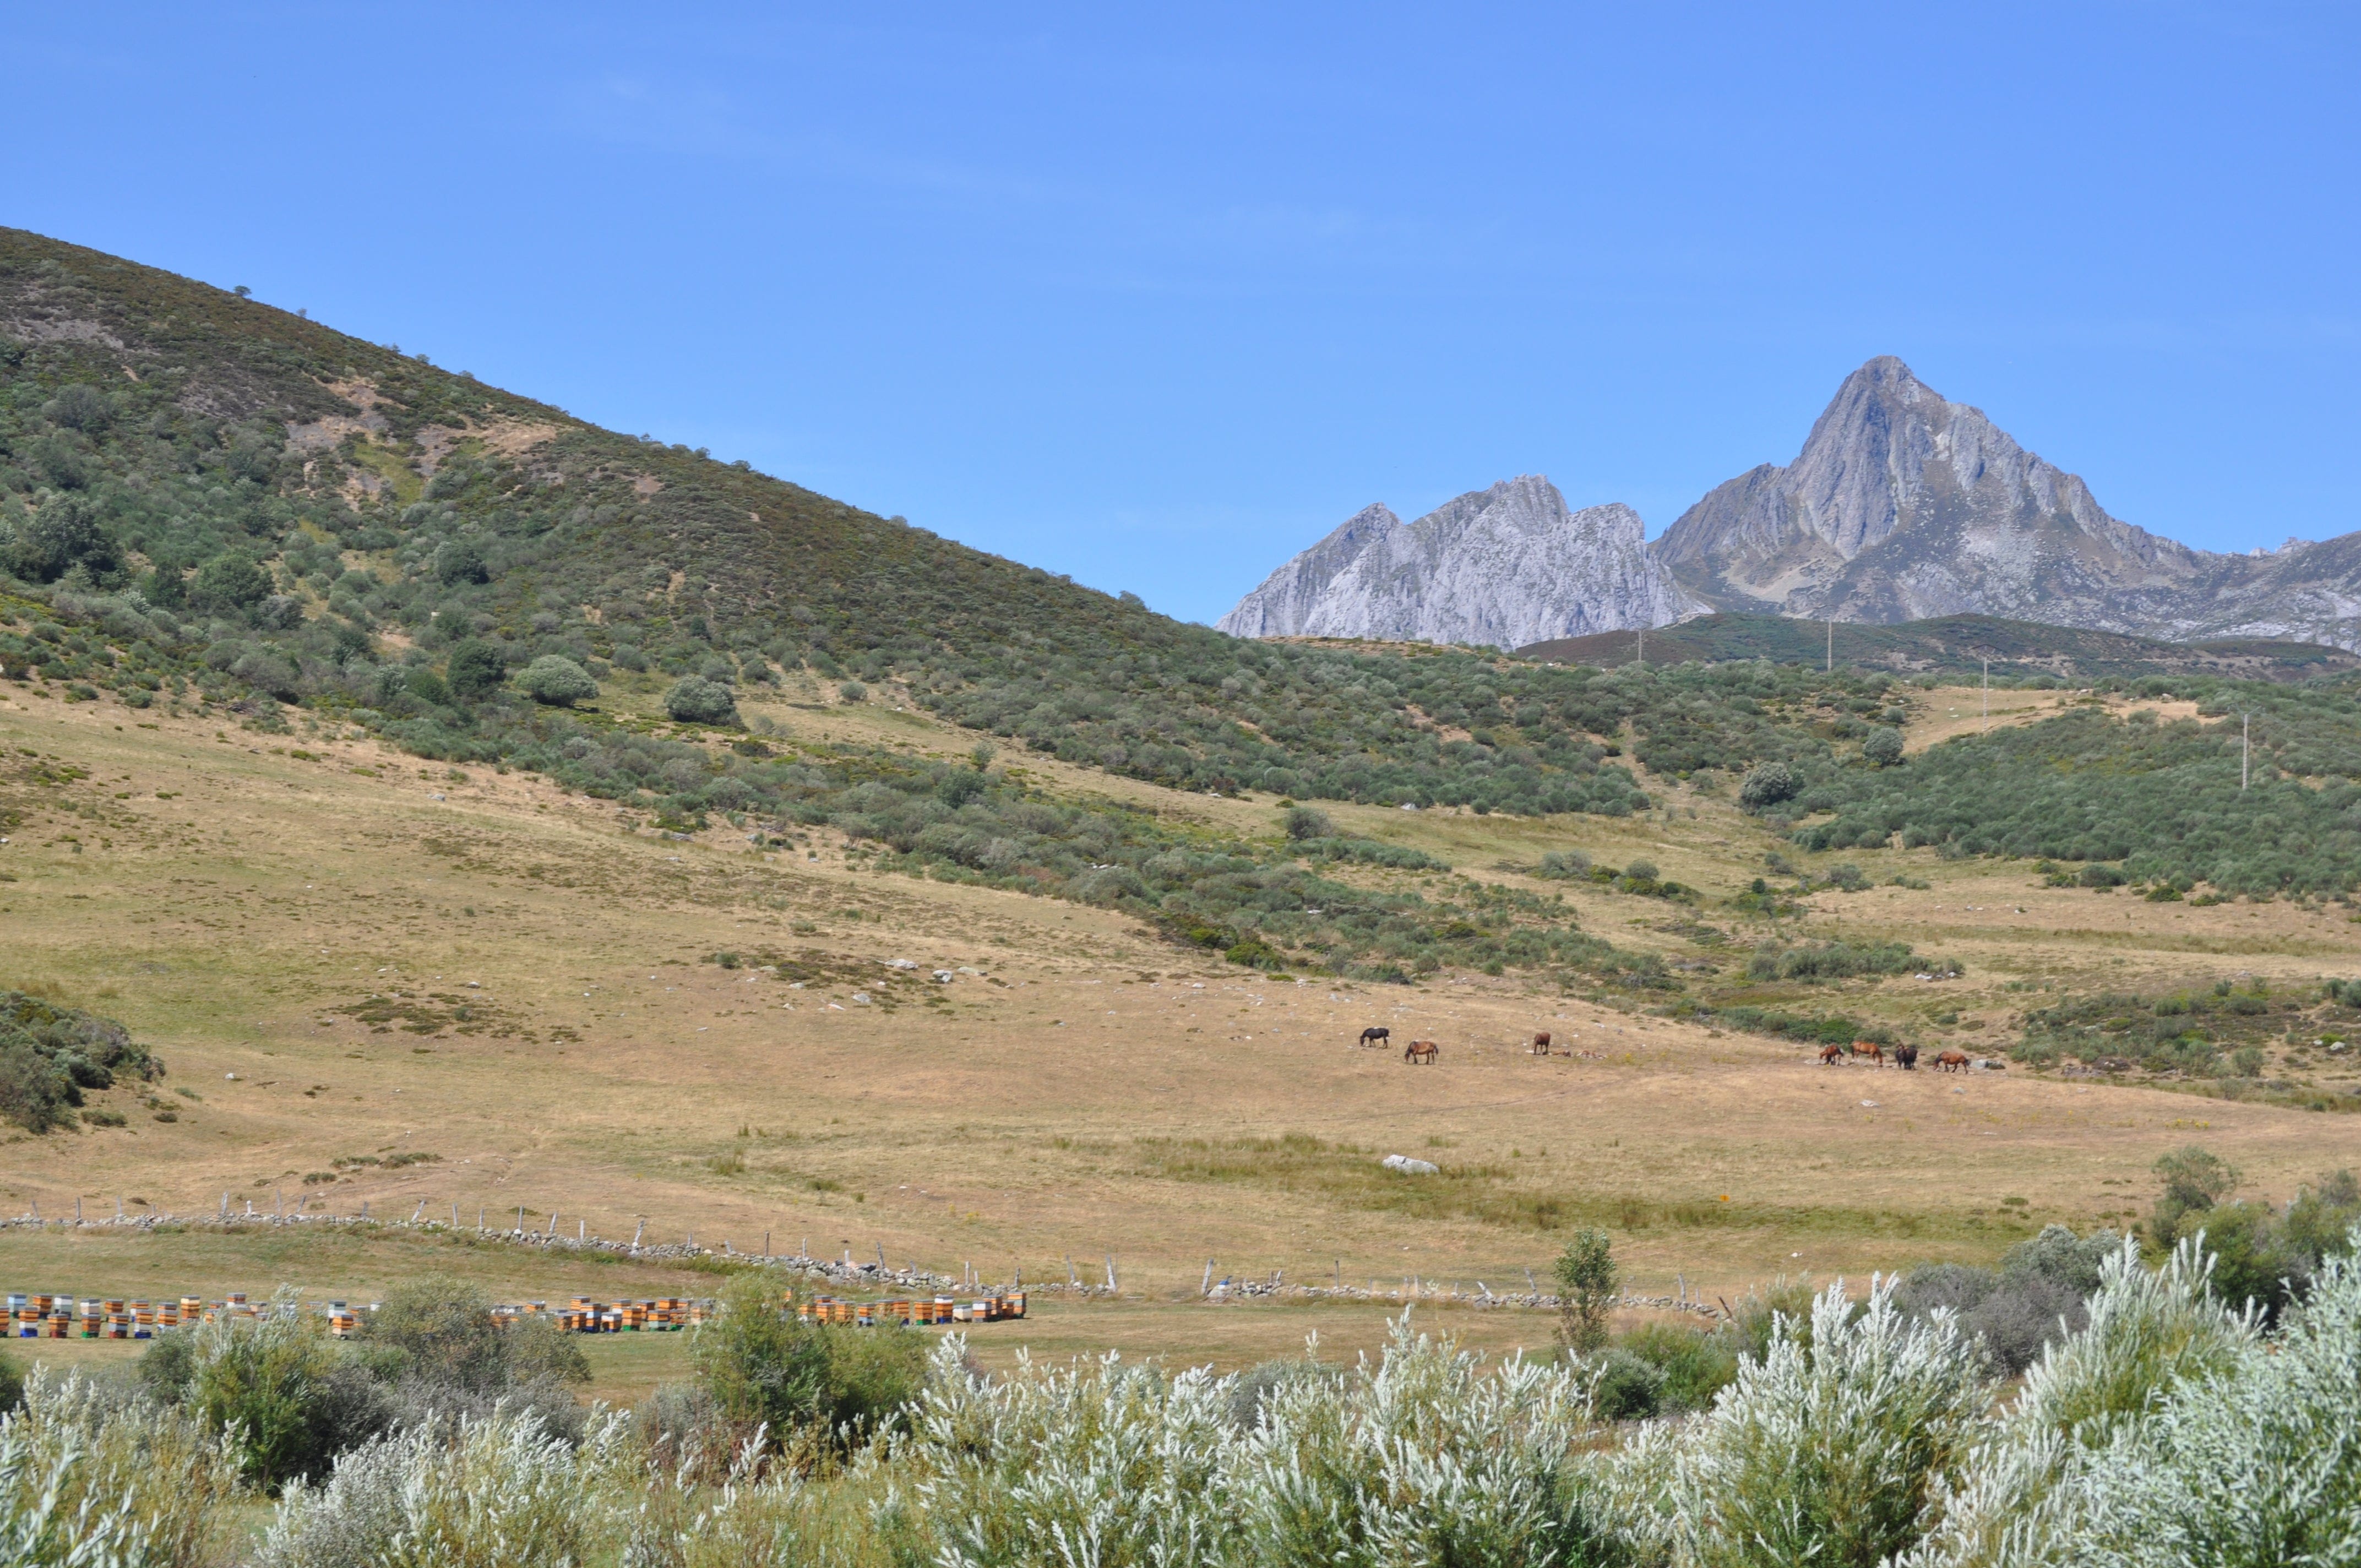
1421,1051
1952,1061
1906,1057
1542,1044
1375,1035
1871,1049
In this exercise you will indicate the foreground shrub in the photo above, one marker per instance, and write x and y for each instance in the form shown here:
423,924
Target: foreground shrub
285,1396
497,1493
761,1367
1822,1452
1421,1456
2020,1498
95,1476
2256,1464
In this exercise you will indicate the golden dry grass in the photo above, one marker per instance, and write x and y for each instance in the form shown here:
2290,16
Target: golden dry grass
1089,1091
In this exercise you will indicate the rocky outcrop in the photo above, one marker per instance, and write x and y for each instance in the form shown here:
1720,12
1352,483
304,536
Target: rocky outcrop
1503,566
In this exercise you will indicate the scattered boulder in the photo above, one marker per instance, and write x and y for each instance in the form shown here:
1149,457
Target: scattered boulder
1408,1166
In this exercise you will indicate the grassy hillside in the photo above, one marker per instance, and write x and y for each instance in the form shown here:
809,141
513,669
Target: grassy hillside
1953,644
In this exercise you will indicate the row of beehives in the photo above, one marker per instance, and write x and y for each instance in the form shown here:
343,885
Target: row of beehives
32,1315
940,1310
40,1316
584,1316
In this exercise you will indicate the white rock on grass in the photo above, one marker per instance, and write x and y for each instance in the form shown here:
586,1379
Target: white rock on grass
1408,1166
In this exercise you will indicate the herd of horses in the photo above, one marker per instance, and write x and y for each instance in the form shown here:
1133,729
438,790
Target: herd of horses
1423,1052
1905,1057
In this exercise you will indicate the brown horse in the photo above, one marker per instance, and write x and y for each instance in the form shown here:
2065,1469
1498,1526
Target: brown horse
1952,1061
1871,1049
1906,1057
1375,1035
1421,1051
1831,1055
1542,1044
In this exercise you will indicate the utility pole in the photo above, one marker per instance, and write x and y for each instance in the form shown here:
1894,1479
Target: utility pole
1642,646
1832,645
1987,693
2242,751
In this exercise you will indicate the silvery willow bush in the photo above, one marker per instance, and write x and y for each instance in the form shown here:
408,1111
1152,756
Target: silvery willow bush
2165,1430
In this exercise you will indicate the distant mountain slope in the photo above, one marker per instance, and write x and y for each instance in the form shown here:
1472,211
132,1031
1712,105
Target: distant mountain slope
1500,567
1954,645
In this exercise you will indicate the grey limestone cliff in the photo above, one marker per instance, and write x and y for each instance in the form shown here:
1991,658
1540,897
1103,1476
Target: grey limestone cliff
1507,566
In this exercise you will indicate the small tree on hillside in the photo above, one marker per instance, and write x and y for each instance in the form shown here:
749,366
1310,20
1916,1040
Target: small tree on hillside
557,681
1882,748
695,700
476,670
1587,1286
1304,822
1767,785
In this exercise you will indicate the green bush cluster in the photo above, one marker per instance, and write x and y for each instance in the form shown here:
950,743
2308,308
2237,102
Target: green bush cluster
1840,960
2161,799
2262,1255
290,1399
50,1054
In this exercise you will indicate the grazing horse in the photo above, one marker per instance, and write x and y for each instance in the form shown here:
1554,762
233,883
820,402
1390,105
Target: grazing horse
1421,1051
1831,1055
1542,1044
1906,1057
1871,1049
1375,1035
1952,1061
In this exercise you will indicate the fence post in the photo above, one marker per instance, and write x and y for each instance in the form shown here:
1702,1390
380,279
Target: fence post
637,1232
1206,1286
1110,1272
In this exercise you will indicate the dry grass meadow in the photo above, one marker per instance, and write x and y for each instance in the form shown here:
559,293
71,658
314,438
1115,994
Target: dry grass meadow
345,954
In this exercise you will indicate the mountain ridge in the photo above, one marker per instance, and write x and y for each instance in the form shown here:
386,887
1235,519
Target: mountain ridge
1904,505
1458,573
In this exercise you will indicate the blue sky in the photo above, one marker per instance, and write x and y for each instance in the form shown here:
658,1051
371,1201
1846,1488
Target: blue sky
1158,297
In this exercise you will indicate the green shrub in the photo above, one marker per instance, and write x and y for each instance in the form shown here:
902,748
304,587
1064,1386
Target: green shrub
1882,748
557,681
1304,822
286,1395
1695,1365
762,1365
695,700
1589,1283
1767,785
1626,1387
50,1054
474,670
460,561
1828,1448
